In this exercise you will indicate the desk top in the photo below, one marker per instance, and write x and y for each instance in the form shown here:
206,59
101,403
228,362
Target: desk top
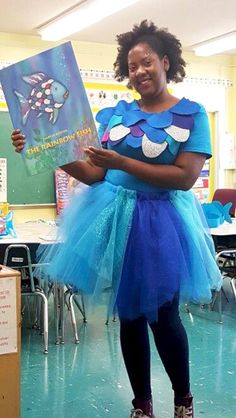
43,232
40,232
225,229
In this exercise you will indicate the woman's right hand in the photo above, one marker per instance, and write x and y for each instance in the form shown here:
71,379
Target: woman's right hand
18,140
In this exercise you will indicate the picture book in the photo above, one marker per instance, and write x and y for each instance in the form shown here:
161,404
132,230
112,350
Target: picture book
47,101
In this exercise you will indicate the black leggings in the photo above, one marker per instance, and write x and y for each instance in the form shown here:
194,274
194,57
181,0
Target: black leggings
172,345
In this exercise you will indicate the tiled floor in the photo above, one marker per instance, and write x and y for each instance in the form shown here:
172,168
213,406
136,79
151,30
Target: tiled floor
89,380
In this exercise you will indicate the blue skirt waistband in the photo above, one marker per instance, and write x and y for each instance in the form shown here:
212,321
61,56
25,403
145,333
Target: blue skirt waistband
152,195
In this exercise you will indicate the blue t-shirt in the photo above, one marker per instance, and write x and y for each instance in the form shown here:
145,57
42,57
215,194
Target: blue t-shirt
155,138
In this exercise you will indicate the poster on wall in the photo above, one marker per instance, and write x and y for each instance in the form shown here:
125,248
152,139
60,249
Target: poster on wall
47,101
102,95
3,105
3,180
66,187
201,186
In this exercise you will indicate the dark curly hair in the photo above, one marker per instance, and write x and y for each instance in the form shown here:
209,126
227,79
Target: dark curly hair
160,40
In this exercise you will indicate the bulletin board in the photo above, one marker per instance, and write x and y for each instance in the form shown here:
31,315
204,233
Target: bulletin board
22,189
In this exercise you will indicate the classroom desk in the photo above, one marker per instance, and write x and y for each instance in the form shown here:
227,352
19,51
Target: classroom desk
224,235
31,233
225,229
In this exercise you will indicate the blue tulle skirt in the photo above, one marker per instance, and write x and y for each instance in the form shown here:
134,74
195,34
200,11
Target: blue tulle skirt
144,246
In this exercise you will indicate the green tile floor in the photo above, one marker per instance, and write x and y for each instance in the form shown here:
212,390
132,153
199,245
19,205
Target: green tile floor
88,380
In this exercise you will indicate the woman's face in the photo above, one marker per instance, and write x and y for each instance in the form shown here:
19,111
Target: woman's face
147,72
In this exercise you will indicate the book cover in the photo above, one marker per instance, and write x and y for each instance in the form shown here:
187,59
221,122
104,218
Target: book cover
47,101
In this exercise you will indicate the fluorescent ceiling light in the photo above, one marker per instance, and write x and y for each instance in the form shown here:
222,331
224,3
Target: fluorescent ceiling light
216,45
81,16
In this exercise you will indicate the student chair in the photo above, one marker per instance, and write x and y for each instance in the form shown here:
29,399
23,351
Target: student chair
225,196
17,256
226,260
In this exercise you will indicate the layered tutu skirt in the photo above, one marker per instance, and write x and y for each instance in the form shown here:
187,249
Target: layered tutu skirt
144,246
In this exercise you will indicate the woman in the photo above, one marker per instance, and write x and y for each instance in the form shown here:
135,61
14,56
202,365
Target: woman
139,228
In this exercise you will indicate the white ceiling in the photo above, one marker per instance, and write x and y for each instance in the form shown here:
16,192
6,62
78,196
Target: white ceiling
192,21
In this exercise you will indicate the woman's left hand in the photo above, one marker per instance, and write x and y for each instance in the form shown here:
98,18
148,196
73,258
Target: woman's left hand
104,158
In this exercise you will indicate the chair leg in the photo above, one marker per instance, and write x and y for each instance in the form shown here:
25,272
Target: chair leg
59,316
62,313
109,309
187,309
73,320
56,313
220,308
28,309
226,297
233,285
81,308
45,320
45,316
218,295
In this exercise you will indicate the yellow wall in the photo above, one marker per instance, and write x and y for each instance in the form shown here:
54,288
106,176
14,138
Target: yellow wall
97,56
14,48
101,56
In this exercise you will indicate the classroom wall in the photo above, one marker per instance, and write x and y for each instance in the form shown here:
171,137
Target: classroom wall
14,48
97,56
231,120
33,213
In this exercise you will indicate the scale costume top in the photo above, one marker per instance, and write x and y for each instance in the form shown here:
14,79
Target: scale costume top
145,242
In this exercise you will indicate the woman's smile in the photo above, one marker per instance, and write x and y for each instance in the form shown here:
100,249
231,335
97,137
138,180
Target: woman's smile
144,83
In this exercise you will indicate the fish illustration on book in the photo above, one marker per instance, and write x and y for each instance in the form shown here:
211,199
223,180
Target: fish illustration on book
46,97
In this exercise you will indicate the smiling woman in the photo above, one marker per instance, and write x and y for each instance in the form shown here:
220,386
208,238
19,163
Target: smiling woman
138,229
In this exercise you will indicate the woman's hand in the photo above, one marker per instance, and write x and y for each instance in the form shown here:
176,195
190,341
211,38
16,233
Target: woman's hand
105,158
18,140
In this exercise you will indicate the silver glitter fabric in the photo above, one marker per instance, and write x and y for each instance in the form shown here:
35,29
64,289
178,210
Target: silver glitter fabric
118,132
179,134
151,149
